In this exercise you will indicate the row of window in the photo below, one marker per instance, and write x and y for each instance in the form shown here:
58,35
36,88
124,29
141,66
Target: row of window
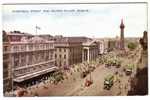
22,59
32,47
71,49
74,51
73,56
61,49
60,56
61,63
72,60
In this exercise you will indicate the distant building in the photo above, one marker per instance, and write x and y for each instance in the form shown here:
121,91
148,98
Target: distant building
111,45
102,45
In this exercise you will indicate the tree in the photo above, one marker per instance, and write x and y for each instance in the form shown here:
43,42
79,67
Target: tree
132,45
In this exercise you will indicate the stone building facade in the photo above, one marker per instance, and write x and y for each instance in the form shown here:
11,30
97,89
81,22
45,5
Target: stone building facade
73,50
7,77
30,58
90,50
68,51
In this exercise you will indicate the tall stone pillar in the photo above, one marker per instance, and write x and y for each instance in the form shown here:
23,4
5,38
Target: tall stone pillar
122,35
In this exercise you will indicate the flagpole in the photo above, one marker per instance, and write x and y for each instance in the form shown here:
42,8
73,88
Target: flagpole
36,29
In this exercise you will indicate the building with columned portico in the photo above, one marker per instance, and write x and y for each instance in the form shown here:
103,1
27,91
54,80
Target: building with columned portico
90,50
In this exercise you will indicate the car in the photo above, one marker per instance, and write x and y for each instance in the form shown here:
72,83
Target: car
118,64
128,71
85,73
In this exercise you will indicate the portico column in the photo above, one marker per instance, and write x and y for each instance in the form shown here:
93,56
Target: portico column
95,53
88,55
27,59
92,54
82,55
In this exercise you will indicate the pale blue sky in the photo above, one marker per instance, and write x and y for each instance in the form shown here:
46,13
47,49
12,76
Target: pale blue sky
101,20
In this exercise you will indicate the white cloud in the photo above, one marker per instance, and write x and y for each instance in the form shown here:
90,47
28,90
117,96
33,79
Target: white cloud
102,20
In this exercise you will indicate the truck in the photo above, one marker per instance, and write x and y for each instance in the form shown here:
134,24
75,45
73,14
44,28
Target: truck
118,64
108,64
108,81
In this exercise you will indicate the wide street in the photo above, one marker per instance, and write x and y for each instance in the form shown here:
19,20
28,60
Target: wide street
74,85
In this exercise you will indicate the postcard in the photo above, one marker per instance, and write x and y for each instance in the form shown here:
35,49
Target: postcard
75,49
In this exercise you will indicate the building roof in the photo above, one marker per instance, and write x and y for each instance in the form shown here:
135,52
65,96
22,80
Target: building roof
71,39
90,43
37,39
33,40
17,33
